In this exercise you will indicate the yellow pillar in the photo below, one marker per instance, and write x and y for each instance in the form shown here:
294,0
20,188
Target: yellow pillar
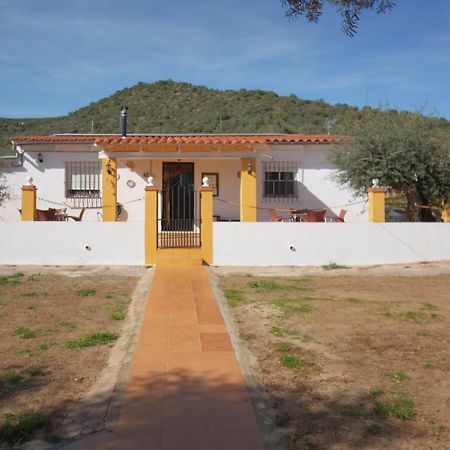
29,202
109,189
445,215
377,211
207,224
151,224
248,190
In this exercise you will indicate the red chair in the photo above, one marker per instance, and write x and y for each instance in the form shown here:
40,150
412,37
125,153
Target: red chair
79,217
274,217
45,215
340,217
315,216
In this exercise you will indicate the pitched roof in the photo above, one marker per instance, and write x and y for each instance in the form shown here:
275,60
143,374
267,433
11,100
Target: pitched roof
105,139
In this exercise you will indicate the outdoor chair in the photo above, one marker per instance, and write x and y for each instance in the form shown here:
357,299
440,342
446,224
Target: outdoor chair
274,217
315,216
340,217
46,215
79,217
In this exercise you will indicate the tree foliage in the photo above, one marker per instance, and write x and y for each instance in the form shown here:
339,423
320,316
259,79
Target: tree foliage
408,152
3,188
350,10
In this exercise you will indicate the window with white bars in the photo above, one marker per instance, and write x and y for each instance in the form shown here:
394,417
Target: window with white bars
83,183
280,179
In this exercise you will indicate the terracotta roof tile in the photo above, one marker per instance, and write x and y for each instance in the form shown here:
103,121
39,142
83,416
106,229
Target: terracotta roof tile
177,139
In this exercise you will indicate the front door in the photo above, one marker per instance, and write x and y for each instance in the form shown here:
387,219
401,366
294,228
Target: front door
178,197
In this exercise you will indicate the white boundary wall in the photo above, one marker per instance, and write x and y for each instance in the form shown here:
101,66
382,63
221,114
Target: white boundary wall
72,243
301,244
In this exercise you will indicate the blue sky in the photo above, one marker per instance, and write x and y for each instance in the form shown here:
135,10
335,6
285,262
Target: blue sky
57,56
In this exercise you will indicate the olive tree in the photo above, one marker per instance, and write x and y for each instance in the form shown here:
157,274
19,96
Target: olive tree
350,10
408,152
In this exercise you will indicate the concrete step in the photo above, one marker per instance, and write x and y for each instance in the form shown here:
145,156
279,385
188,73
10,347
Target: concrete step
179,256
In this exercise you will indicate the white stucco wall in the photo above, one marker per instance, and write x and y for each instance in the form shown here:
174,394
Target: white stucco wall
300,244
317,187
72,243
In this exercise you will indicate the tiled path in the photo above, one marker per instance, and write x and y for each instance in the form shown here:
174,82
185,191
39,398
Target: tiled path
185,390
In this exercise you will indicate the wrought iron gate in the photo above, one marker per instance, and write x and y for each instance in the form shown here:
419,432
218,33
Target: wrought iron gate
179,225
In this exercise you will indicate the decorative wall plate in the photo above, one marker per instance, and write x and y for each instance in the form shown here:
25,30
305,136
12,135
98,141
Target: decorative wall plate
131,184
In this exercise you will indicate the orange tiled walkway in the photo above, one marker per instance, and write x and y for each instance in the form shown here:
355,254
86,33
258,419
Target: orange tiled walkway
185,390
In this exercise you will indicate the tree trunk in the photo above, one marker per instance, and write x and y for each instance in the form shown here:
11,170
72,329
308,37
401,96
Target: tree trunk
412,210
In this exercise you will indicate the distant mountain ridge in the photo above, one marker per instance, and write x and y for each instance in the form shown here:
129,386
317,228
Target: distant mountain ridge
177,107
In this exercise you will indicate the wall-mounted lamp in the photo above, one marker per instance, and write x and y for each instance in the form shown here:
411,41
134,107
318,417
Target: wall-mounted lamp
249,167
40,158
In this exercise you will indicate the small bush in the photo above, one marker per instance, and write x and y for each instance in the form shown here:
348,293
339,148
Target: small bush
12,377
400,408
334,266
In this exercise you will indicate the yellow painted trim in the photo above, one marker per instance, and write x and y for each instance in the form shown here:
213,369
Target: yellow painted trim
29,203
248,211
151,224
377,211
109,189
207,224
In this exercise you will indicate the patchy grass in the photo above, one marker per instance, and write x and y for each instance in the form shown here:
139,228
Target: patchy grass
334,266
234,297
12,377
67,324
16,430
419,316
270,285
376,391
92,340
400,407
427,365
291,362
25,333
11,279
283,347
34,371
86,292
293,305
398,376
119,310
43,347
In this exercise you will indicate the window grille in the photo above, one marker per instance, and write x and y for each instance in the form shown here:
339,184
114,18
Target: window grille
83,183
280,180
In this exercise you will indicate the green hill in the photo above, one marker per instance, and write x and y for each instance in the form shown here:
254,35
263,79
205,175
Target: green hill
171,107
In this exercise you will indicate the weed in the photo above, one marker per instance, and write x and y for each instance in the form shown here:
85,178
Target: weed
400,408
43,347
278,331
429,307
374,429
334,266
12,377
375,391
66,323
293,305
424,333
15,431
283,347
419,316
352,300
397,376
427,365
86,292
110,295
92,340
23,350
385,311
270,285
292,362
34,371
234,297
2,303
11,279
119,311
29,294
306,338
25,333
32,307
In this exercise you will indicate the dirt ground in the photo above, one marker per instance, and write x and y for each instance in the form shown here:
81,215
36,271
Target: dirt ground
351,359
41,310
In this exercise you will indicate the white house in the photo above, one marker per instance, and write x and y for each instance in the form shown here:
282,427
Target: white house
290,171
